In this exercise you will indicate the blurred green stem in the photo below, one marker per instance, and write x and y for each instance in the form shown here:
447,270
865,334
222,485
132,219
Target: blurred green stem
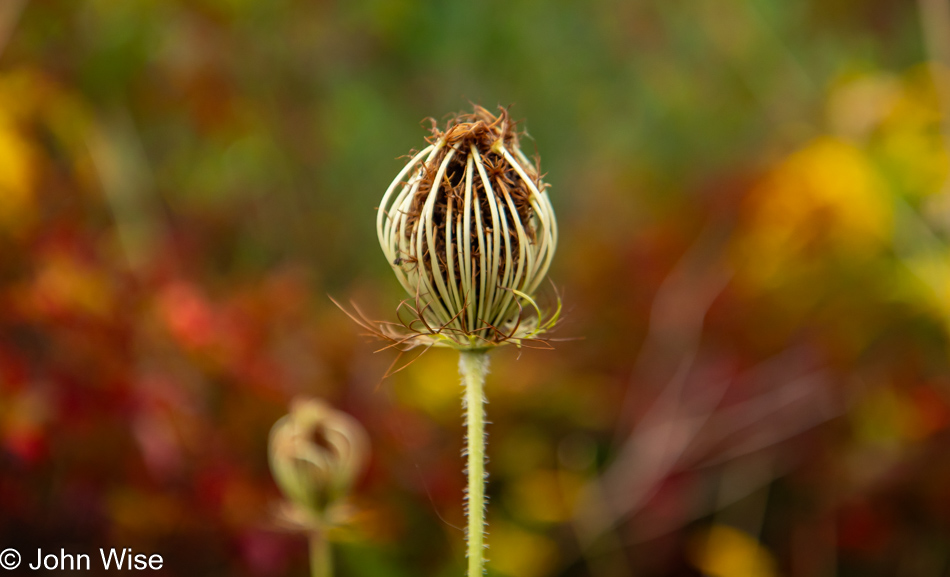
321,556
473,365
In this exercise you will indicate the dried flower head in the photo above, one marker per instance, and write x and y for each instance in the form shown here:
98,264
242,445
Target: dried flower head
469,230
316,452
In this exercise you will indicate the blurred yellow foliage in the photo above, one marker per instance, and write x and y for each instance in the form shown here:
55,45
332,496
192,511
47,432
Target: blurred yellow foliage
138,513
423,385
910,138
826,198
23,415
857,104
885,416
28,98
522,449
17,177
728,552
897,122
64,284
545,496
517,552
23,92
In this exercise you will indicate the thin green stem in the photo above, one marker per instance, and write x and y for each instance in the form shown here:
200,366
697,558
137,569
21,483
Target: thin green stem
321,556
473,365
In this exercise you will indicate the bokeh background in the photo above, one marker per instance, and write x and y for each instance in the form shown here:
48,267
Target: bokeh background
754,204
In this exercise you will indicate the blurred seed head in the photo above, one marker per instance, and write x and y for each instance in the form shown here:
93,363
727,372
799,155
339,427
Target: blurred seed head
469,231
316,453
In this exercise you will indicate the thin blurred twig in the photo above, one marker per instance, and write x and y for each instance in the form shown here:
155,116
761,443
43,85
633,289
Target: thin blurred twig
676,319
10,11
126,178
687,427
935,24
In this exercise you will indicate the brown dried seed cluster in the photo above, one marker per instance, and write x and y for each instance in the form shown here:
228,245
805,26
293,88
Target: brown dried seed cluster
482,129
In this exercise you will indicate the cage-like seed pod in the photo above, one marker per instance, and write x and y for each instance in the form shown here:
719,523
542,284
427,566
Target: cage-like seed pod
469,230
316,452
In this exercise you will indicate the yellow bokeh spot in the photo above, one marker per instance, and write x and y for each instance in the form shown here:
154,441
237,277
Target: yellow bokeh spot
432,385
544,496
911,141
728,552
824,199
517,552
66,284
886,417
899,121
17,178
928,285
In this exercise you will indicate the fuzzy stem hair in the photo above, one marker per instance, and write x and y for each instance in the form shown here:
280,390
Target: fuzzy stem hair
473,366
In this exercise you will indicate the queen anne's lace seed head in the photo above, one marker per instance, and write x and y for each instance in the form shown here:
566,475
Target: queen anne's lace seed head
316,452
469,230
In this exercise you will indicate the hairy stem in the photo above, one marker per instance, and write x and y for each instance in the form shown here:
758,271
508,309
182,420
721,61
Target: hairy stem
473,365
321,556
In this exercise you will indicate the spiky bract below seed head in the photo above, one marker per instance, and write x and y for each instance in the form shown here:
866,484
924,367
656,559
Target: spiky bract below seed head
469,230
